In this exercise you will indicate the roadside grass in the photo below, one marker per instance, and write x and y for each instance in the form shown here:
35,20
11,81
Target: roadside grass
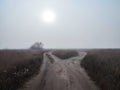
103,66
18,66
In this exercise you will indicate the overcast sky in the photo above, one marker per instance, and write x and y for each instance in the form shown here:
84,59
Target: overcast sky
78,23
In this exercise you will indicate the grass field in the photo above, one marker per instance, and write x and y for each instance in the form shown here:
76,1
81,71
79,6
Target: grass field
103,66
17,66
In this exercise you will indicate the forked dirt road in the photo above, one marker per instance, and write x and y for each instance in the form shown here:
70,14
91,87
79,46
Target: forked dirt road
57,74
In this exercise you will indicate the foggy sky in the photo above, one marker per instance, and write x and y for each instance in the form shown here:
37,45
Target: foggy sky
78,24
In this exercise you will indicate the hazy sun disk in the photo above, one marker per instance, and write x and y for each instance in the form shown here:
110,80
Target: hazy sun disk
48,16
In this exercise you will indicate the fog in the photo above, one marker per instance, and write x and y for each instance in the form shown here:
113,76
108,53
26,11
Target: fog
78,23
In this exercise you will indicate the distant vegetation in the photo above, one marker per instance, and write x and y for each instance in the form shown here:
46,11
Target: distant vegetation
17,66
64,54
37,46
103,66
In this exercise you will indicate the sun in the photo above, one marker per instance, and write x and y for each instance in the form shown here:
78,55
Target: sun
48,16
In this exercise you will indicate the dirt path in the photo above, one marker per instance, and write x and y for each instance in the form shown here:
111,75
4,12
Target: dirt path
57,74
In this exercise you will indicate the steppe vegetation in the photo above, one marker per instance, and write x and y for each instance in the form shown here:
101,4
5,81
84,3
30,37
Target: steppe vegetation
18,66
103,66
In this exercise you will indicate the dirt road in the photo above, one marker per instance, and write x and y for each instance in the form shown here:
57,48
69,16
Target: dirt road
57,74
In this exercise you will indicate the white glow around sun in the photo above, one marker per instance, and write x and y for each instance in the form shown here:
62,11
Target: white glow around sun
48,16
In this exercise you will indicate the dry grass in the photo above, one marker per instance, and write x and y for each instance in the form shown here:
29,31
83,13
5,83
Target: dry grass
17,66
103,66
64,54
